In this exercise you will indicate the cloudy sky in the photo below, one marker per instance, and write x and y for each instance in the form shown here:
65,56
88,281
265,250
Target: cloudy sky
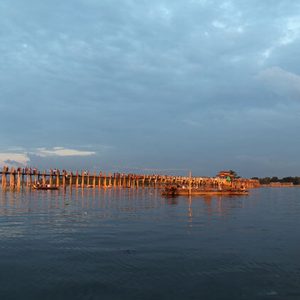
151,86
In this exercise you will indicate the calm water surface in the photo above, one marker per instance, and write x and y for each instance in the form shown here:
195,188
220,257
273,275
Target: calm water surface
128,244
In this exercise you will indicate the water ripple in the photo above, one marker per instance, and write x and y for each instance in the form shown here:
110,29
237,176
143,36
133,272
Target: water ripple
133,244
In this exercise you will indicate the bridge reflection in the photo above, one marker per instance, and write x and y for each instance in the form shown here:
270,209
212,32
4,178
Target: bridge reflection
116,200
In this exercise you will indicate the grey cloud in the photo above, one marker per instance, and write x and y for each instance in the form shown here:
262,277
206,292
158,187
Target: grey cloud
286,84
135,74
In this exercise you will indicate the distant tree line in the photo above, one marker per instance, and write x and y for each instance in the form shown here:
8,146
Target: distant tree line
268,180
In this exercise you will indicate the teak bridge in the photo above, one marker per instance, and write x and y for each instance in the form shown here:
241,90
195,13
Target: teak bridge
27,178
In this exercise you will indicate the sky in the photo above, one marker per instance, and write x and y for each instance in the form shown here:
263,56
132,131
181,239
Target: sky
158,86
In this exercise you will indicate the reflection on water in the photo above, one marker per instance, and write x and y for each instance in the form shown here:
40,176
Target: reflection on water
134,244
27,201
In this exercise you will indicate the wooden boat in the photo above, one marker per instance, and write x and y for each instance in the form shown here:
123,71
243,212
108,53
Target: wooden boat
44,187
180,191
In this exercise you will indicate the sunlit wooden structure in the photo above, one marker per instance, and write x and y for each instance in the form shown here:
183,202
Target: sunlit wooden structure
27,177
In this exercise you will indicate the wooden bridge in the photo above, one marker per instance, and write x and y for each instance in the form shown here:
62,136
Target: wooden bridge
28,177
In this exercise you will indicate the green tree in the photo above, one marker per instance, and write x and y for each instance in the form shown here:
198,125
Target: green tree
265,180
274,179
233,174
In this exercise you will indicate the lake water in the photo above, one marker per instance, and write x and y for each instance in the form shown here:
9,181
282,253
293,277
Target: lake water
134,244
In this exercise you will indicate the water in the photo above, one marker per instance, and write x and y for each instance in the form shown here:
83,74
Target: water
128,244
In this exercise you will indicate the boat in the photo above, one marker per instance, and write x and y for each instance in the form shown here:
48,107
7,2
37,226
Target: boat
44,187
182,191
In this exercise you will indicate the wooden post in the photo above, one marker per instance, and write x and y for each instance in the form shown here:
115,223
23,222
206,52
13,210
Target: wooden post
71,180
35,176
14,172
12,178
64,178
19,179
99,180
57,178
28,178
190,183
123,180
104,180
44,178
4,170
94,180
137,181
2,177
114,180
77,180
82,179
23,177
88,179
120,180
109,180
51,178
